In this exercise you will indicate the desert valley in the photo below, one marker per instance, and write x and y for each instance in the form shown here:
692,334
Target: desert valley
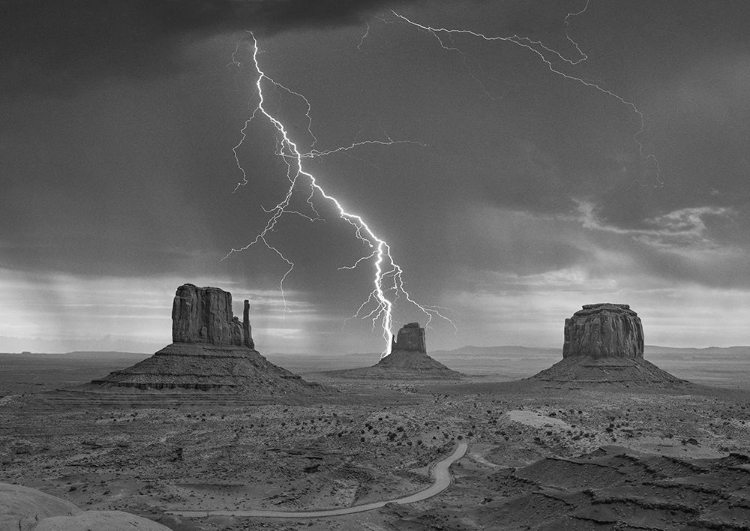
490,262
209,435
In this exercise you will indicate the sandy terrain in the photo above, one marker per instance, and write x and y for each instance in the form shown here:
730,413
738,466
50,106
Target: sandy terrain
539,456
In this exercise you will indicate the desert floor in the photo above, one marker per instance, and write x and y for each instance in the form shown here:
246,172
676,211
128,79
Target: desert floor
541,456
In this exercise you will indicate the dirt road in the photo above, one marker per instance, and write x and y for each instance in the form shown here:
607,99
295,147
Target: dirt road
440,473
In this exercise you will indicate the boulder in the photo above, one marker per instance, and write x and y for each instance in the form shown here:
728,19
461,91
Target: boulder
21,508
90,520
28,509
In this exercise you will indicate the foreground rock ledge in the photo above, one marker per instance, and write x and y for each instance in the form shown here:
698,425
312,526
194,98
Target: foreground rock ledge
27,509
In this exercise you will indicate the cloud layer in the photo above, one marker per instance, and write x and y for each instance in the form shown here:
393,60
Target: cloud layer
59,47
520,195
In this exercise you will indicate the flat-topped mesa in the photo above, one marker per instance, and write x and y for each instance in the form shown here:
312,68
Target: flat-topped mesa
410,338
604,331
604,346
204,315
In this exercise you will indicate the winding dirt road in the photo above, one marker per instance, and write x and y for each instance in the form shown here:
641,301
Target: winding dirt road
440,473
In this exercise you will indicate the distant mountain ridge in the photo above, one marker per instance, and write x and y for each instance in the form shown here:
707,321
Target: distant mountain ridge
497,350
468,349
649,349
109,354
84,354
710,365
739,350
515,361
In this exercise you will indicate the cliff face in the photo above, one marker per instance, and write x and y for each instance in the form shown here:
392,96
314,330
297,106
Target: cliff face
211,350
604,331
410,338
604,345
204,315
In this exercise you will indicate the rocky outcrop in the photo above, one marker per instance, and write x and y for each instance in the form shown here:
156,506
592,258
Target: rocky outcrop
408,360
209,368
27,509
604,331
22,507
604,345
109,520
411,337
620,371
204,315
247,336
212,350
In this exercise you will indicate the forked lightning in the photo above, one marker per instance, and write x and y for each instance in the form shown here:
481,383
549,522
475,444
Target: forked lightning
388,283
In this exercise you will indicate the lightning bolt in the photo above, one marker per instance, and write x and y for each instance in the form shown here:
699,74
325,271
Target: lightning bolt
362,40
388,284
547,56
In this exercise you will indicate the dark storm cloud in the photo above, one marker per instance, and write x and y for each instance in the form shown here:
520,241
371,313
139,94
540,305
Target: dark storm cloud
686,245
127,174
56,47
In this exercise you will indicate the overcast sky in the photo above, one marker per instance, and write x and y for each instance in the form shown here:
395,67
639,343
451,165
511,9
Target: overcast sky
600,156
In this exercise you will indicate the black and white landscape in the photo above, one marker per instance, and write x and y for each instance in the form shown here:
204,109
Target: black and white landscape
209,434
488,258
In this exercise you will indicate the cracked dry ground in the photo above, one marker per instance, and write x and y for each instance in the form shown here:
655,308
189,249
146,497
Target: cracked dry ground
539,457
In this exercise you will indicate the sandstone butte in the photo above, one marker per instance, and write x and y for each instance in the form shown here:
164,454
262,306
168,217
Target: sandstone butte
408,360
211,349
604,344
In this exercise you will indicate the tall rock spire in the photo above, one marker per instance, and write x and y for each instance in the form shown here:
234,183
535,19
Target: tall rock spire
246,329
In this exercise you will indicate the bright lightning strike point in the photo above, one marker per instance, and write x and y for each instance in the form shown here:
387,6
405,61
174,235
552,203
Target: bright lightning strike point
388,284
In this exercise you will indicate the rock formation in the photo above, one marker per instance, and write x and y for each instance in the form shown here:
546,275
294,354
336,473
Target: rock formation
408,360
247,336
410,337
604,344
604,331
211,350
27,509
204,315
